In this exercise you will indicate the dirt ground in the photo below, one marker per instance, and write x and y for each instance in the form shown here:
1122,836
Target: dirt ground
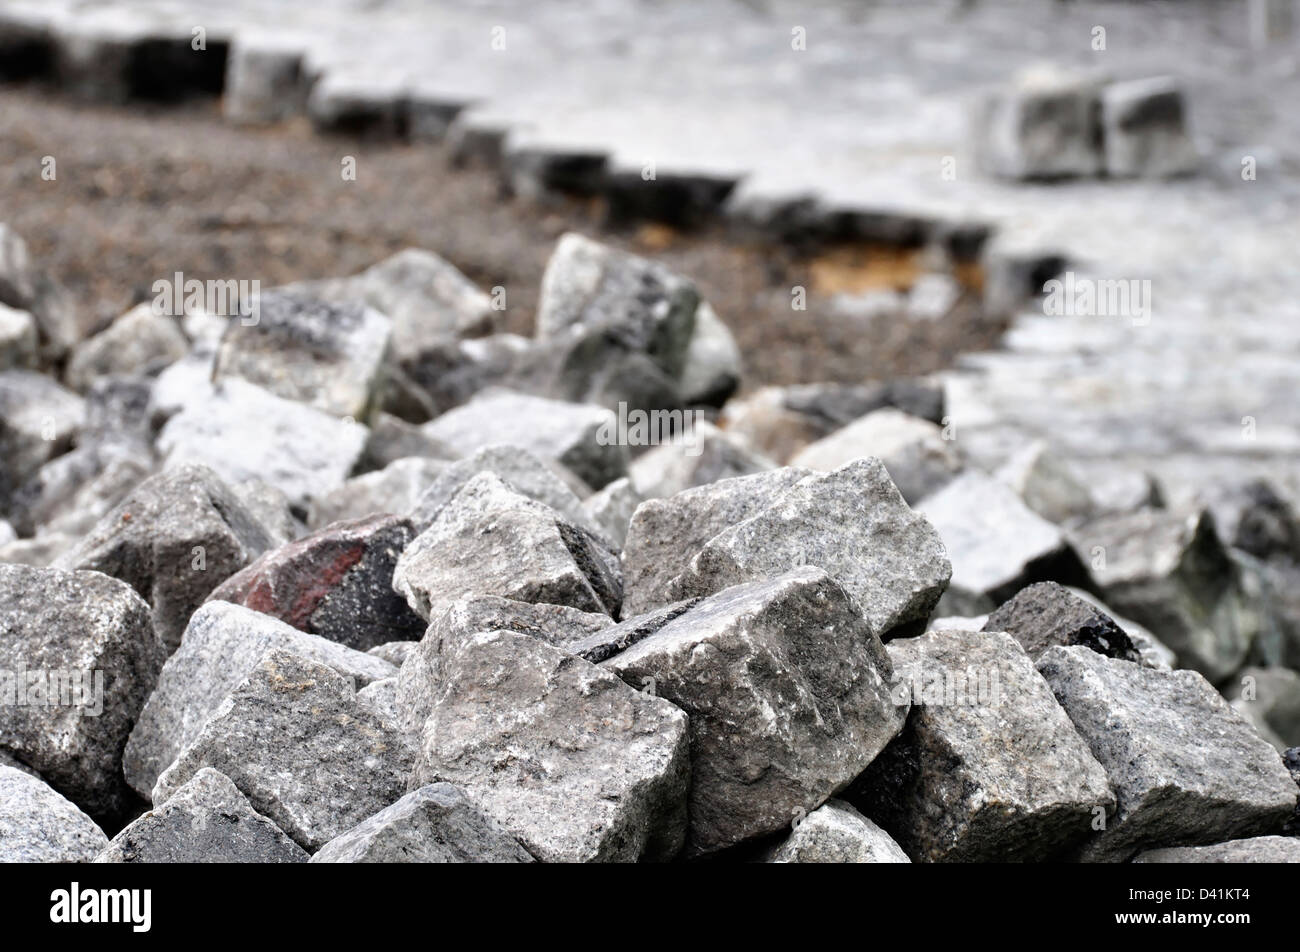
142,193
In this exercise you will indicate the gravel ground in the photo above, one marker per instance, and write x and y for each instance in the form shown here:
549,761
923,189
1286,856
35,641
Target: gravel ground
141,194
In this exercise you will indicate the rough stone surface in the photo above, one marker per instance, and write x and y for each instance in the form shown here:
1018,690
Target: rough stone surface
380,697
1167,570
665,534
7,760
118,413
434,824
919,460
1186,769
138,342
206,821
1273,695
612,508
1046,614
392,438
763,421
300,450
71,493
575,764
79,627
1151,652
427,299
37,421
174,539
598,364
297,744
780,421
837,833
451,621
328,356
957,622
394,489
336,583
222,644
700,455
565,432
1277,590
519,469
851,522
491,540
37,825
1255,849
36,552
996,543
788,694
590,285
451,372
988,768
271,508
1047,484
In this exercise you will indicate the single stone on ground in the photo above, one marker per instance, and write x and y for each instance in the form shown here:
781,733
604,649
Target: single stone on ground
575,764
174,539
222,644
590,285
325,355
299,746
851,522
434,824
206,821
451,621
93,634
1144,129
298,449
1168,570
837,833
336,583
665,534
788,694
919,460
568,433
997,544
37,825
491,540
1187,770
1047,614
988,768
